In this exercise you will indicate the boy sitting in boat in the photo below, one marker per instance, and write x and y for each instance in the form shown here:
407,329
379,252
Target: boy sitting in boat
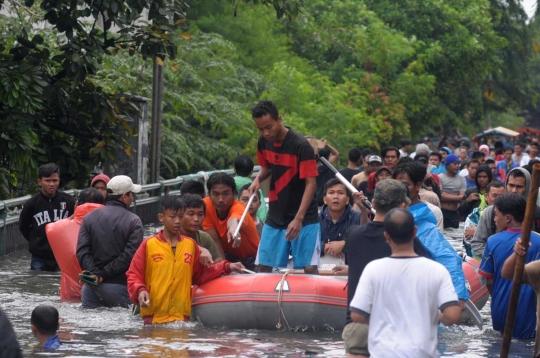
223,213
337,216
194,211
165,267
243,196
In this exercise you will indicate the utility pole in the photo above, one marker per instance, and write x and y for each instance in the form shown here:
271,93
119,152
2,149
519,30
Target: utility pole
157,100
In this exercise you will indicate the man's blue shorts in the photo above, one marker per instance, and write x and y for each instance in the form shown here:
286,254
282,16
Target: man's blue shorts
274,249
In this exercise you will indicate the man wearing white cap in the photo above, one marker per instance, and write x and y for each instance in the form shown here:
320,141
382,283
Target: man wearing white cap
373,163
108,239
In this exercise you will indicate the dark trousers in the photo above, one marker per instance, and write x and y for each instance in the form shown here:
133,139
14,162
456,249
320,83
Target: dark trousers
105,295
451,218
39,264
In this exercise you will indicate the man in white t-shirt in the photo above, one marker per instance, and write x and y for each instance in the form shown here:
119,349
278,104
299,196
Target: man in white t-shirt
533,152
404,297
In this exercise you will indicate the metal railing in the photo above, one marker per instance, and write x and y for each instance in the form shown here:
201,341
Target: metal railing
145,205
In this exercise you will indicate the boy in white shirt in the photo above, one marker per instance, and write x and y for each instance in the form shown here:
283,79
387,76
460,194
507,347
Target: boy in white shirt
404,297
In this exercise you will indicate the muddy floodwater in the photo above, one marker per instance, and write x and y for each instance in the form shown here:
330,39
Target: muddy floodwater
115,333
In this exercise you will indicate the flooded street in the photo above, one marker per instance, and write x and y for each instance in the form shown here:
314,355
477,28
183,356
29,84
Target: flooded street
115,333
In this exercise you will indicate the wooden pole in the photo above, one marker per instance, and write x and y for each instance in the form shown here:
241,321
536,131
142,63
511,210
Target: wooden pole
157,99
520,263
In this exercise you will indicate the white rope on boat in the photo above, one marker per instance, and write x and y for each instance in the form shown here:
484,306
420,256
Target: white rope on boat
280,296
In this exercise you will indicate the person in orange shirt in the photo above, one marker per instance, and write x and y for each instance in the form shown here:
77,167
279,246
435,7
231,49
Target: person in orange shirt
62,236
165,267
223,213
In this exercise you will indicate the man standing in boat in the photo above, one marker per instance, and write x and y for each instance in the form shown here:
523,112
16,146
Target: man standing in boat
292,222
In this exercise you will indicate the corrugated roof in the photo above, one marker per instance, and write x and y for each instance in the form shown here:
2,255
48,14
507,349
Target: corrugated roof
498,131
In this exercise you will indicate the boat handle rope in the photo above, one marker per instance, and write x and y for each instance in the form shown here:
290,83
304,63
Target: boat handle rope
280,296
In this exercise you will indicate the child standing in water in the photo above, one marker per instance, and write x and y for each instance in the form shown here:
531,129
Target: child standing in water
45,323
166,265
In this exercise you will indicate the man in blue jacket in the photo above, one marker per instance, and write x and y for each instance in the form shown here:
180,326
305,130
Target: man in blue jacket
337,216
412,175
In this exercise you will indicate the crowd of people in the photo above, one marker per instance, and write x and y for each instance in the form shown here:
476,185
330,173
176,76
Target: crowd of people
404,277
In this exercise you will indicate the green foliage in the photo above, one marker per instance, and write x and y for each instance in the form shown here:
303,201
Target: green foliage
206,121
358,73
54,107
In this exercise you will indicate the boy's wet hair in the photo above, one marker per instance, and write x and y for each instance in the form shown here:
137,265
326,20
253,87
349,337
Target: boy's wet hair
192,187
332,182
221,178
90,195
171,202
263,108
193,201
45,319
243,165
246,187
46,170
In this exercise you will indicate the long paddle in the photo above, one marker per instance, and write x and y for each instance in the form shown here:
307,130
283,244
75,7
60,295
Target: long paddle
345,182
474,314
246,210
520,262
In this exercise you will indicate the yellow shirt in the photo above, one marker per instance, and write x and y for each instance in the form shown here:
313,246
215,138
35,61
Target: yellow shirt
168,277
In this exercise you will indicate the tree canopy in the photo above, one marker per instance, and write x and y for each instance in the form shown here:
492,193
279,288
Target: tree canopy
358,73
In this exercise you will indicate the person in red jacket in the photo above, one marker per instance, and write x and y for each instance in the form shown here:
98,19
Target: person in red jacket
63,236
165,267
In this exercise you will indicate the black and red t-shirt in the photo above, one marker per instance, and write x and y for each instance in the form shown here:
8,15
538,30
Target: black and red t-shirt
291,162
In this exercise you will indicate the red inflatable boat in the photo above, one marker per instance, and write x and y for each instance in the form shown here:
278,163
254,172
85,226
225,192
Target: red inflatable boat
270,301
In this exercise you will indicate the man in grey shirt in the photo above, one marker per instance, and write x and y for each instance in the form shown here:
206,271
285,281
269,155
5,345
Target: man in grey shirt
453,187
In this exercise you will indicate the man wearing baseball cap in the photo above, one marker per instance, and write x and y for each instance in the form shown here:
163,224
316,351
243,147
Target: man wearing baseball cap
373,163
108,239
453,187
366,243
